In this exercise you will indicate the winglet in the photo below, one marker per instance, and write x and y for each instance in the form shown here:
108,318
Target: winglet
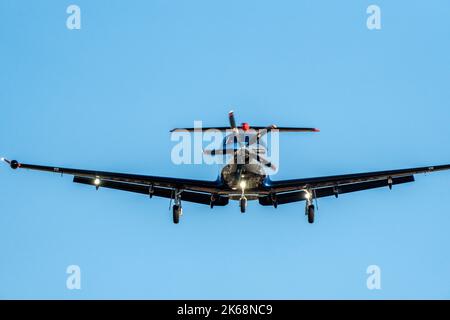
14,164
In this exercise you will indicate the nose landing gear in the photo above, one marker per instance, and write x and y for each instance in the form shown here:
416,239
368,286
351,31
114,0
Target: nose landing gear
243,204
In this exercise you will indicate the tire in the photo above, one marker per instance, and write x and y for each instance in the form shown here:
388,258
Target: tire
176,214
243,204
311,214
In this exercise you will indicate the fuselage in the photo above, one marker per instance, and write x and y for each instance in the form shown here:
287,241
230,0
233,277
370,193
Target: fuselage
249,176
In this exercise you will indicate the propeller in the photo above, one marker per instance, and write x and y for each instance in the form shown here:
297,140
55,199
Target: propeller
250,153
257,136
259,158
229,139
235,129
265,162
251,136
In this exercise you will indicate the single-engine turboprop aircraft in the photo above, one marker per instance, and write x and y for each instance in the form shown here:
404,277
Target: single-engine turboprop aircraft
241,181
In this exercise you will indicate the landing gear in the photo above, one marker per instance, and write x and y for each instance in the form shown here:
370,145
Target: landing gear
243,204
310,213
243,199
309,209
177,212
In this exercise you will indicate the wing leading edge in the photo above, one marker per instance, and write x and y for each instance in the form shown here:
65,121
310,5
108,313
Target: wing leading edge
197,191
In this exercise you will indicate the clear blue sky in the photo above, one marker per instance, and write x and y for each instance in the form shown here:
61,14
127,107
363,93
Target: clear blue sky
104,97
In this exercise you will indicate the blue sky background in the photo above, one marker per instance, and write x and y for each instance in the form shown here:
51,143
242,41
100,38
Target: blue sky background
104,97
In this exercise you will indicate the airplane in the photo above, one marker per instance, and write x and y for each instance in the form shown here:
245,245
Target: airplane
239,180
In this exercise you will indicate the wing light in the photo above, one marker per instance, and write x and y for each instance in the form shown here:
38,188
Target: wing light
307,194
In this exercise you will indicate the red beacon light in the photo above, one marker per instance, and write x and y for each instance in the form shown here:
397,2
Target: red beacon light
245,126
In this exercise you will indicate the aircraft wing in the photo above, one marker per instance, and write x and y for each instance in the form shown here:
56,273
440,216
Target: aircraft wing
286,191
198,191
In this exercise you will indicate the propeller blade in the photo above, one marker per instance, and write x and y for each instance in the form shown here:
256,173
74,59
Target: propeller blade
256,139
232,120
267,163
258,151
262,160
229,139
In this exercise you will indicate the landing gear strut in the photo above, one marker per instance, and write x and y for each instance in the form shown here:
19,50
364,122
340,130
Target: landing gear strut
177,210
243,204
309,209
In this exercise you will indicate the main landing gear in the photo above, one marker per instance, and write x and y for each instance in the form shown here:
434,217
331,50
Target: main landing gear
309,209
177,210
243,204
310,213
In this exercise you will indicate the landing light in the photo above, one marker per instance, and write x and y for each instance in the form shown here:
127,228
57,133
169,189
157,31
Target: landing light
242,184
97,181
307,194
2,159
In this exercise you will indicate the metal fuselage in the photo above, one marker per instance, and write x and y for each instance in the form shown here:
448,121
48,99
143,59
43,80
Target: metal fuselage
252,175
244,174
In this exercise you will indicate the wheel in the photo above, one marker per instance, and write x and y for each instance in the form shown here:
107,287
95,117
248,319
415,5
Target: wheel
243,204
176,214
311,214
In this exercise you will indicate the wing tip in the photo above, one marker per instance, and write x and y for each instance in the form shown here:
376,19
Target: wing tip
14,164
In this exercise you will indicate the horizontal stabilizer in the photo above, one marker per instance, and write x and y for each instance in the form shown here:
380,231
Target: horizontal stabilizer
257,128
